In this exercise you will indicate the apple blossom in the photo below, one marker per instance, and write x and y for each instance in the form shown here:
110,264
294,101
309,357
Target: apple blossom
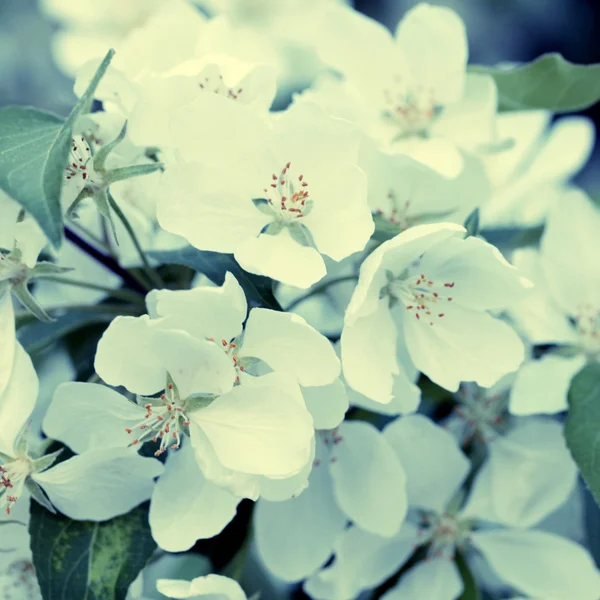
429,288
564,308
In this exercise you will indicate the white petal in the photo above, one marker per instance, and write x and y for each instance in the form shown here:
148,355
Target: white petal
216,312
362,561
197,366
435,43
210,587
125,357
7,335
287,343
370,361
297,536
86,416
260,429
538,316
481,276
541,386
464,345
570,270
528,475
217,219
18,399
434,464
185,507
443,156
368,479
340,221
100,484
327,404
539,564
282,258
437,579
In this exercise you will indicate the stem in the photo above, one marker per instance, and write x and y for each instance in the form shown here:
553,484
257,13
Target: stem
152,274
108,309
132,297
319,289
110,263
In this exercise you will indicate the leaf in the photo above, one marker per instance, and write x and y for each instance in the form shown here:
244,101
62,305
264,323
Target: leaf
471,591
34,150
582,428
37,335
258,290
550,82
85,560
472,224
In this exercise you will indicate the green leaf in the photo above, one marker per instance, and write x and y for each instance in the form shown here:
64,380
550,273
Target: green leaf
85,560
550,82
258,290
472,224
582,429
34,150
37,335
471,591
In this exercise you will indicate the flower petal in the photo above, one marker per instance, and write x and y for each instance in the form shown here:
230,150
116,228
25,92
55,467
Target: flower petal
434,464
211,587
541,386
287,343
100,484
207,311
540,564
86,416
259,429
437,579
186,507
8,337
368,479
125,357
282,258
296,537
327,404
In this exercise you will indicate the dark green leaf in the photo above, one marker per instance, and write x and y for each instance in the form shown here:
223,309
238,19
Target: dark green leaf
582,429
85,560
549,82
36,336
34,150
471,591
258,290
472,223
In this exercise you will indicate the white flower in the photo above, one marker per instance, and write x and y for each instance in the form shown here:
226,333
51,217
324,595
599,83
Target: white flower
565,308
89,486
531,176
430,289
279,199
208,587
356,477
411,93
537,563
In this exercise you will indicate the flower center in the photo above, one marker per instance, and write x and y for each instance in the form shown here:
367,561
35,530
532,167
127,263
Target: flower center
483,413
80,162
587,323
214,83
445,533
20,582
411,111
165,420
231,349
287,197
420,295
12,479
330,438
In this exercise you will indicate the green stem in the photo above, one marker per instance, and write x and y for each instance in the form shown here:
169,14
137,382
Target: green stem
128,296
319,289
151,273
87,233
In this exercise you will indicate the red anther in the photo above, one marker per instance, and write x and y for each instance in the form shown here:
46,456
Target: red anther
186,423
159,418
417,315
167,428
449,285
449,299
163,397
169,407
409,307
441,315
435,294
142,427
170,386
242,369
288,165
232,345
135,442
224,342
300,177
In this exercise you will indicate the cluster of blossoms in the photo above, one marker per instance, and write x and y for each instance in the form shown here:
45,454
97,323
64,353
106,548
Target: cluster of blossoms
346,207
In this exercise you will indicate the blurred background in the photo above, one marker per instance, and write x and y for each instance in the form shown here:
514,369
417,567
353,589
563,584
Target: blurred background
499,30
